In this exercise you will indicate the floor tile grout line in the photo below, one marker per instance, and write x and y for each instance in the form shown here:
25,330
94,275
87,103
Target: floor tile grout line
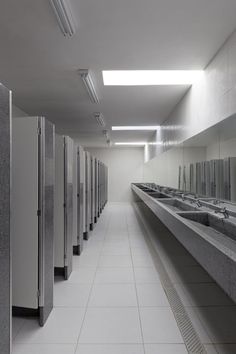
89,297
135,285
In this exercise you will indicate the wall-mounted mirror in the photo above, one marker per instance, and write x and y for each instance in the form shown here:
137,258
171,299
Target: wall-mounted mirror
209,162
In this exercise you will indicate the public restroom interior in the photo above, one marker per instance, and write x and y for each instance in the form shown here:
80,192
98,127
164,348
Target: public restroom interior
118,177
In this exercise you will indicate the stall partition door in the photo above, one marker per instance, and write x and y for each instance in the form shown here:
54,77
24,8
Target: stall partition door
25,202
46,218
32,215
5,254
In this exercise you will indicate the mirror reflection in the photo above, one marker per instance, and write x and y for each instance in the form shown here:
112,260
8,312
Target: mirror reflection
209,163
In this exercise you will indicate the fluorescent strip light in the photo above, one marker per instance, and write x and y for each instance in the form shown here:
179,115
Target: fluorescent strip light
150,77
100,119
88,83
64,15
139,143
137,127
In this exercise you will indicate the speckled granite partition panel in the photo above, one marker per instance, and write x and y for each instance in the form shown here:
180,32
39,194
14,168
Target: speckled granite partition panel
5,254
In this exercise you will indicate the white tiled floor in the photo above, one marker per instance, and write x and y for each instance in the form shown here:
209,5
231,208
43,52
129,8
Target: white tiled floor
113,302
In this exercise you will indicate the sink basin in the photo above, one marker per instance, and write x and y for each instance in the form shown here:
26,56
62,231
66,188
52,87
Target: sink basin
158,195
179,205
212,222
145,189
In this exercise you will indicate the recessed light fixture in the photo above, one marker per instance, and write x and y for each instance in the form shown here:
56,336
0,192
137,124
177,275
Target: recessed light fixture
89,85
99,118
136,127
150,77
138,143
64,15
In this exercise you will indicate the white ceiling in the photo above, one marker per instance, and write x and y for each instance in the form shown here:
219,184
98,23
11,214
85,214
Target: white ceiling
40,65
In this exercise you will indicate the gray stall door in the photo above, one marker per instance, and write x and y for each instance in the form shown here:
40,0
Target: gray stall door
5,254
32,215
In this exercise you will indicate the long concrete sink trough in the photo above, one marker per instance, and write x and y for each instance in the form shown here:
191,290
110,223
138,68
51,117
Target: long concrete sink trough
178,205
212,224
213,204
157,195
209,237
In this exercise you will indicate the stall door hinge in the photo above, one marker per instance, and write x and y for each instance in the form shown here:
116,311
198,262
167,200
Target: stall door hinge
39,131
38,212
38,293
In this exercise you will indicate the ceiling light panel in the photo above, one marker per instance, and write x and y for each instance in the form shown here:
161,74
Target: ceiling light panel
150,77
136,127
89,85
137,143
65,18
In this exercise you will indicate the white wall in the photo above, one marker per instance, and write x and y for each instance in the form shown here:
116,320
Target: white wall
222,149
125,165
207,103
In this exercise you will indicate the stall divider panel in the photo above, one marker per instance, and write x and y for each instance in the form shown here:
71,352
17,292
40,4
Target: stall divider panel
96,190
59,204
88,195
68,206
84,195
92,192
80,197
76,188
46,218
5,206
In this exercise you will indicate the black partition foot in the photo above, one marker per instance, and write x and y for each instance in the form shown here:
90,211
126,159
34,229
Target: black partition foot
86,236
95,219
76,250
91,227
62,271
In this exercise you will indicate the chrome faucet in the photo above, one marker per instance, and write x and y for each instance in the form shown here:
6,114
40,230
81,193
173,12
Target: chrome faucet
223,211
197,202
216,201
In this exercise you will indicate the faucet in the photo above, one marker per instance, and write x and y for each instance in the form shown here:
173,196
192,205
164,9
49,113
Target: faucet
197,202
216,201
223,211
183,197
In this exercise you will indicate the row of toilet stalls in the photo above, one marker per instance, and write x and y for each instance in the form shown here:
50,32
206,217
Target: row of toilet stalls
58,193
214,178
